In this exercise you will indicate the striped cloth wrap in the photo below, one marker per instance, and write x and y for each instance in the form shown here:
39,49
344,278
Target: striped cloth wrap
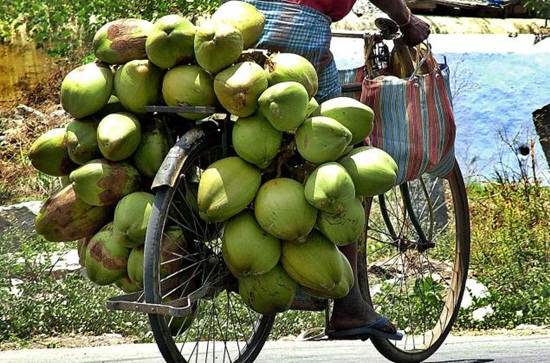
414,121
292,28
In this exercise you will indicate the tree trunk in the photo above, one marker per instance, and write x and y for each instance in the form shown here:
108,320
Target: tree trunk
541,118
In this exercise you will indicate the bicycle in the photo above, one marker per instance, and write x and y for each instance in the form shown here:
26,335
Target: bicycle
412,260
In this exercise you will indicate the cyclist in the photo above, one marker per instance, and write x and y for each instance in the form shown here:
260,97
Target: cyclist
303,27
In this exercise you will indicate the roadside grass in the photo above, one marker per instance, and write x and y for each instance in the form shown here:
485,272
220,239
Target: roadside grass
510,254
40,300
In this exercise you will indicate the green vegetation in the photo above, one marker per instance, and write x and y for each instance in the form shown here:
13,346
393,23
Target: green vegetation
36,300
66,27
510,254
539,7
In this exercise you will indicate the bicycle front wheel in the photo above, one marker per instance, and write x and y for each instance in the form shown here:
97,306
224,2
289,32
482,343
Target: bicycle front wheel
415,260
216,325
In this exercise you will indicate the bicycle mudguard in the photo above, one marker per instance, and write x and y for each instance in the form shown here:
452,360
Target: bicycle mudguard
169,170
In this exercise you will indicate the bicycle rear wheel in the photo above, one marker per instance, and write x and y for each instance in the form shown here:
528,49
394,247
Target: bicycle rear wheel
414,263
212,323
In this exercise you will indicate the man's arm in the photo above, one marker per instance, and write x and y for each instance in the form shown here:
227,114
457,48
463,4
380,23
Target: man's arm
414,29
397,10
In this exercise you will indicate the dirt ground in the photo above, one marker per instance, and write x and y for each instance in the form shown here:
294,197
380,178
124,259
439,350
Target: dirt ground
73,341
20,126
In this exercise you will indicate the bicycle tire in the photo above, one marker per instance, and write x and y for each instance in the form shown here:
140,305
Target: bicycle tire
222,327
417,286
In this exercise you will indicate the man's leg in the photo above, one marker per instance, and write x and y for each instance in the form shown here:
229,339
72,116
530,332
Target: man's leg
352,311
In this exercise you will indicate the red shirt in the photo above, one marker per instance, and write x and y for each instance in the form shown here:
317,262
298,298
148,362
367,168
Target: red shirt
335,9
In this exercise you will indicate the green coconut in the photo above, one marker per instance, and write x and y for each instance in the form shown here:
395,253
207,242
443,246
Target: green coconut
239,86
313,108
341,289
247,249
171,260
173,249
81,245
198,90
49,153
315,263
217,45
243,16
121,40
152,149
102,182
345,227
285,105
330,188
138,83
373,170
283,67
106,259
191,192
135,265
65,217
354,115
131,217
282,210
81,136
118,135
321,139
226,188
86,89
170,41
112,106
126,285
268,293
256,140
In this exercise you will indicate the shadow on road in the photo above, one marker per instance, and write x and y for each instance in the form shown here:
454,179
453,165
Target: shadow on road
465,361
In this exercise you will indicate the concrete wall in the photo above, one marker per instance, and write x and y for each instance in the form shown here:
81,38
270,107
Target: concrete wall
452,24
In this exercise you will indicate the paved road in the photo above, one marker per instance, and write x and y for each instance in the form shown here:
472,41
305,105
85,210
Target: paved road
497,349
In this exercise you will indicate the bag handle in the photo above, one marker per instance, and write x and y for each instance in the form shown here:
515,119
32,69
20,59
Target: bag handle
408,62
422,61
403,61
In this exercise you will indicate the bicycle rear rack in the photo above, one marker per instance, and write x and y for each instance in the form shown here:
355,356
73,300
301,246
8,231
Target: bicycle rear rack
184,306
177,307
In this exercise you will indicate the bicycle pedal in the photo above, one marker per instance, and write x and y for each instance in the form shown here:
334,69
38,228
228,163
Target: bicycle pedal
312,334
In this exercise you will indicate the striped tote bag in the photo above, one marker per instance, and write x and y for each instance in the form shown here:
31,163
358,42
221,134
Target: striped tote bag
414,121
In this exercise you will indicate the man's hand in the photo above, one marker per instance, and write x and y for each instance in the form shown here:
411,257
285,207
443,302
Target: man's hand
415,31
413,28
